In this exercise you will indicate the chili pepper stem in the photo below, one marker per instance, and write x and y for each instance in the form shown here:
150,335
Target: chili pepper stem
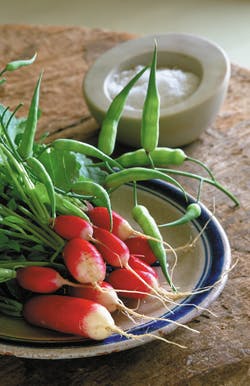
135,193
216,184
150,160
204,166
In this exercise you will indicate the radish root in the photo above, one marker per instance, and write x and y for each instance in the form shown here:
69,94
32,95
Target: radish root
119,331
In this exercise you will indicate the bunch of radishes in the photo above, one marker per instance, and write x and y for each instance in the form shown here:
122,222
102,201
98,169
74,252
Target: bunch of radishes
91,294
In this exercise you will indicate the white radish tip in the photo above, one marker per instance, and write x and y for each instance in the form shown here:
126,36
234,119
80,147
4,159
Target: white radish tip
99,323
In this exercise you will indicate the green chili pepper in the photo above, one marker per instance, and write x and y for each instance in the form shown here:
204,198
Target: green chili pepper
100,196
151,111
142,216
161,156
43,176
107,135
115,180
83,148
16,64
25,148
193,211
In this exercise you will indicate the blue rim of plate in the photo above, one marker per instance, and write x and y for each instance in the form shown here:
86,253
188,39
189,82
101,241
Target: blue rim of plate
217,263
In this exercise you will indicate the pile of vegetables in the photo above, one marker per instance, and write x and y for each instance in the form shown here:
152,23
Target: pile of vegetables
66,258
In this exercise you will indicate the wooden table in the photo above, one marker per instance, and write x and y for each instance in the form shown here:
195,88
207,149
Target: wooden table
220,356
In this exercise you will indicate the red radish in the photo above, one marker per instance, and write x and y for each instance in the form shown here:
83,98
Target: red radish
114,251
106,295
40,279
70,315
125,280
139,245
81,317
103,294
83,261
121,228
70,227
138,264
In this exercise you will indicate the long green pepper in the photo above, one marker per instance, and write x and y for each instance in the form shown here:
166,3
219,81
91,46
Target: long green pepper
83,148
107,135
151,111
16,64
147,223
161,156
25,148
193,211
113,181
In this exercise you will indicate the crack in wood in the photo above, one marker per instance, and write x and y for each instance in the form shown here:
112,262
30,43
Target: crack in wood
72,125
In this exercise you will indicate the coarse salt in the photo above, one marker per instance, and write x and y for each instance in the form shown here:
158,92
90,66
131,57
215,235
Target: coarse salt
174,86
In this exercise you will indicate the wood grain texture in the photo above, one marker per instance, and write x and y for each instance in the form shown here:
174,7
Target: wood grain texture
64,55
220,355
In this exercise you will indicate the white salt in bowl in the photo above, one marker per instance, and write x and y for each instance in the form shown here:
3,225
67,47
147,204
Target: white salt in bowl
203,71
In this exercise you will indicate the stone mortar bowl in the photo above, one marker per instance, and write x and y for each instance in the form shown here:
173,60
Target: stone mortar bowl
181,123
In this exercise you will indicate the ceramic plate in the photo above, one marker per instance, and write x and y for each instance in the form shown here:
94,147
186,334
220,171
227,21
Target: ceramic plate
204,265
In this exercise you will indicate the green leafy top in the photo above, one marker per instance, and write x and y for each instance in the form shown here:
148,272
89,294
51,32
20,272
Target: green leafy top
67,168
15,127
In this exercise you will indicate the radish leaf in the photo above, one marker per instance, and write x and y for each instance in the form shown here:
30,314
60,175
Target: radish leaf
66,168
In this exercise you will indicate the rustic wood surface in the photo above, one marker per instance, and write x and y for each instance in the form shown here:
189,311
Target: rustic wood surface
220,355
